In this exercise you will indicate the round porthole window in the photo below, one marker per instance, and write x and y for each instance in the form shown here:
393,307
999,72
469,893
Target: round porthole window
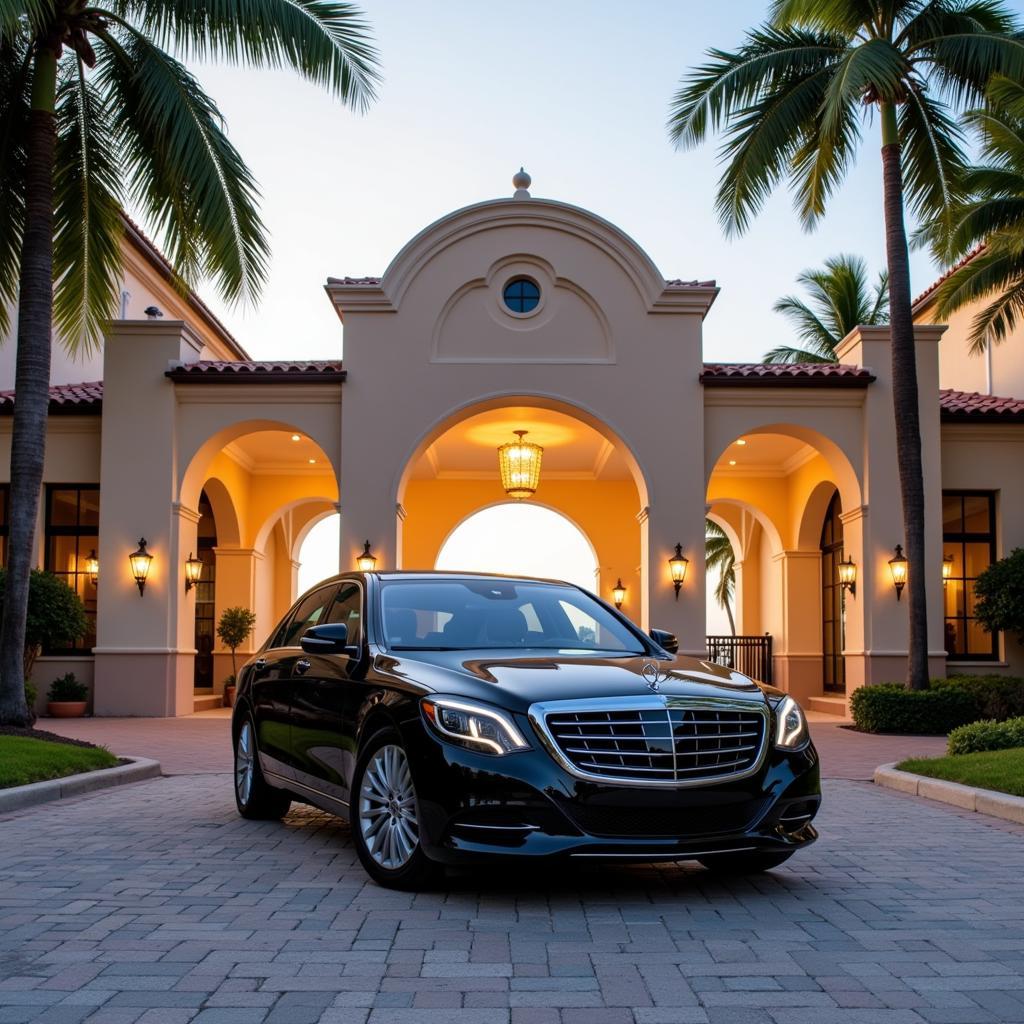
521,295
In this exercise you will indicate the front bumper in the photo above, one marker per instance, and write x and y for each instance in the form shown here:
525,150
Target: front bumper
475,806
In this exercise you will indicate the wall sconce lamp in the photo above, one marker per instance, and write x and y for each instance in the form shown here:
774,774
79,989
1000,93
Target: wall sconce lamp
193,571
367,560
92,567
898,568
848,575
140,560
947,569
678,564
618,593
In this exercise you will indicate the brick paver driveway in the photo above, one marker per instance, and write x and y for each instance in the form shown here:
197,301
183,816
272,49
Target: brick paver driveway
155,903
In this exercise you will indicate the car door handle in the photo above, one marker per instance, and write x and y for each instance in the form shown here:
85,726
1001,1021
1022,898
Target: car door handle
302,666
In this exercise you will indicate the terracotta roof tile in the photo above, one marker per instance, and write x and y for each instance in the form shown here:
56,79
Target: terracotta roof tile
974,407
66,399
785,375
250,370
952,270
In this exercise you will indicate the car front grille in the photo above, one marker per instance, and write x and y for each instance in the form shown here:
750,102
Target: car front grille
656,740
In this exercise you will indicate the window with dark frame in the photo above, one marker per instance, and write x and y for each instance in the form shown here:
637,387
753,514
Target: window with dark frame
521,295
72,527
969,539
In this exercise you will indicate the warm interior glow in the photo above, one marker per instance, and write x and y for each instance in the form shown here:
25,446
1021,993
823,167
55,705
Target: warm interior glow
296,437
618,593
947,569
140,560
678,565
741,442
898,568
193,571
732,462
92,566
519,463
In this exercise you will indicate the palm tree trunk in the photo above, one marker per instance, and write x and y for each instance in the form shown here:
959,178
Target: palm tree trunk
31,385
905,401
728,612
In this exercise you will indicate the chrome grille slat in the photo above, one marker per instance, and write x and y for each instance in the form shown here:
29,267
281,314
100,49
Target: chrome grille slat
655,739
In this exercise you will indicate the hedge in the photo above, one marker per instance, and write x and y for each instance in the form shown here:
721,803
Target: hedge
997,697
982,736
891,707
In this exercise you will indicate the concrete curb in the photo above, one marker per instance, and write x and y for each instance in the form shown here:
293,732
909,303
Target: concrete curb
967,798
19,797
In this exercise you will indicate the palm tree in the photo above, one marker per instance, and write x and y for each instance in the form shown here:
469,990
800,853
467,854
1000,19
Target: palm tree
794,99
719,556
992,217
840,299
95,112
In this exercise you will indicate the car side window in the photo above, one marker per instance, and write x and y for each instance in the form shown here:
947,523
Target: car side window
307,614
348,608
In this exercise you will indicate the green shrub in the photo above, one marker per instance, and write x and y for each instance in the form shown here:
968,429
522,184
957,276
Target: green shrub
982,736
999,590
30,694
67,688
891,707
997,697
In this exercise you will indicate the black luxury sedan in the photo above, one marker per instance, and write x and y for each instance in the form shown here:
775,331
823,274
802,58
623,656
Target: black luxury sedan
453,717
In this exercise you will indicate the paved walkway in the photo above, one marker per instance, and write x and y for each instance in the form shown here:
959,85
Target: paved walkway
156,904
201,743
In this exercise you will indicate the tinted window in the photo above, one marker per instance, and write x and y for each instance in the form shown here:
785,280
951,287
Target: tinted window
521,295
498,615
309,612
348,608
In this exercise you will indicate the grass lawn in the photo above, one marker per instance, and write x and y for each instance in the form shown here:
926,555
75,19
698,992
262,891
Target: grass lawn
1001,770
24,759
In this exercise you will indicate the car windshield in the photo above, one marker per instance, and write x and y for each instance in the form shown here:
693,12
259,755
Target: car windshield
498,614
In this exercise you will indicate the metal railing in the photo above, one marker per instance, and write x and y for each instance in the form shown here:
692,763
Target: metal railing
751,655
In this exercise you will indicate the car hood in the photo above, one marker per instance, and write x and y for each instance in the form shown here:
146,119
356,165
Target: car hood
517,680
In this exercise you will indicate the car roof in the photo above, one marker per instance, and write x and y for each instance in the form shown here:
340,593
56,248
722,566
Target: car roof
442,574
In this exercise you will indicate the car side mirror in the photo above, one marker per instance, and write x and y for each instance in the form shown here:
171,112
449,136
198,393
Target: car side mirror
663,638
329,638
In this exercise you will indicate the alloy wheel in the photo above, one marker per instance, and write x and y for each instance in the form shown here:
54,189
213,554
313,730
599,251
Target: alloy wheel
387,808
245,763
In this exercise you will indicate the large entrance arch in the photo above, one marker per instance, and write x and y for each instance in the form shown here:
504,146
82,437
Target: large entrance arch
589,477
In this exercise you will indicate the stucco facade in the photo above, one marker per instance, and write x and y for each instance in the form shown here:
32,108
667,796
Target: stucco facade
189,444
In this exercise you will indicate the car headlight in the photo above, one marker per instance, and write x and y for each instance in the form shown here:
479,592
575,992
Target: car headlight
790,725
476,726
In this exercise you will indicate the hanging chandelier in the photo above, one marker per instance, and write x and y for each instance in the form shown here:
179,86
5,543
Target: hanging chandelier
519,462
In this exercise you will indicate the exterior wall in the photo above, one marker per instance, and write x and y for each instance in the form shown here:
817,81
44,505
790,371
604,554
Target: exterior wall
1000,371
977,457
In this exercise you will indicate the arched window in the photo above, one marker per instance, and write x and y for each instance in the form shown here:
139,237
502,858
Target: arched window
205,591
832,609
520,539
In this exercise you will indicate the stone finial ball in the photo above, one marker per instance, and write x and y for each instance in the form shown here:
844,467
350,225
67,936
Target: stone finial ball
521,180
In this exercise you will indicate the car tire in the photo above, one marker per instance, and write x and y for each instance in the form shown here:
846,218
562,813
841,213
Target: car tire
254,797
744,863
385,816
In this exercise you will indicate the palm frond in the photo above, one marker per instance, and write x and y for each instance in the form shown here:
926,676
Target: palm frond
1000,317
181,168
19,17
977,280
788,354
807,323
842,16
731,82
963,63
15,57
328,42
87,218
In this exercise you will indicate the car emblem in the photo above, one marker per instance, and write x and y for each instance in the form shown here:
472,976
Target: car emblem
651,674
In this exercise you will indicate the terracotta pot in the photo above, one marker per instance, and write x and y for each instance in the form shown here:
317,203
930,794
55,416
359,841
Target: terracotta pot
66,708
229,696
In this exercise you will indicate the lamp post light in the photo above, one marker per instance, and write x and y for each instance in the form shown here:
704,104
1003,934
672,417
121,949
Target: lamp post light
140,560
898,568
848,575
618,593
367,560
678,564
193,571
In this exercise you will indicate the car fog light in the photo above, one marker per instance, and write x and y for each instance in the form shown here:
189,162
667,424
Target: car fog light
790,725
475,726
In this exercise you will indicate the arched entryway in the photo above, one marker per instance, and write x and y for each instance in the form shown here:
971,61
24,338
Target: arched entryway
521,539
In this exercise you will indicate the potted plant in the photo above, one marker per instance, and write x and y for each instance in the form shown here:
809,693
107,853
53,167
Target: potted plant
67,697
233,629
56,616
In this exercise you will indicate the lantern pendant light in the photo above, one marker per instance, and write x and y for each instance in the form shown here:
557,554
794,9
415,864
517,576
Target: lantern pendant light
519,463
